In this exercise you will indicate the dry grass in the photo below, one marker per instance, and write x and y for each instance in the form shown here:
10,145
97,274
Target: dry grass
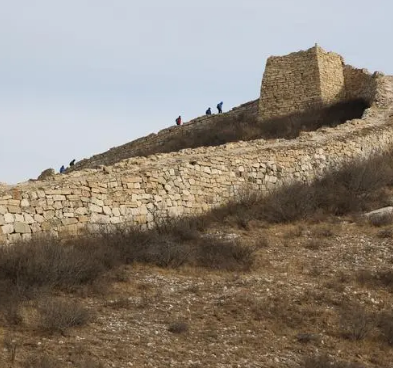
179,290
58,315
325,361
243,127
43,361
356,323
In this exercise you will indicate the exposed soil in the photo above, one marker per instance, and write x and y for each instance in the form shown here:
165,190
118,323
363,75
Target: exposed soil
292,305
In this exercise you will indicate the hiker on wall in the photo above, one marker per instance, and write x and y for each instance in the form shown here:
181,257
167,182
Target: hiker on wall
209,111
178,120
219,107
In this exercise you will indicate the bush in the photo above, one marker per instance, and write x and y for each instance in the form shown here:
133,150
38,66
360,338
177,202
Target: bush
385,324
380,278
57,315
42,361
356,323
386,278
88,362
178,327
224,255
325,362
50,263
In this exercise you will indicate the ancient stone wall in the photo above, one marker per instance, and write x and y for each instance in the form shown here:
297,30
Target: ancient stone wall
332,85
309,79
140,190
359,83
156,142
290,84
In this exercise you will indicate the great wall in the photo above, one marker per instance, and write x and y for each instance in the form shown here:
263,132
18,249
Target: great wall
119,187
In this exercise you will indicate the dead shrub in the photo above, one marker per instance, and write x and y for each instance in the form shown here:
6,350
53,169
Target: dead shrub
287,204
224,255
356,323
178,327
323,231
385,324
10,299
365,277
295,232
325,361
41,361
49,263
386,278
380,278
316,244
88,362
58,315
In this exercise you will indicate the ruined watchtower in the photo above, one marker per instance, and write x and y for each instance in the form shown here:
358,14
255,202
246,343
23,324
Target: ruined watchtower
301,81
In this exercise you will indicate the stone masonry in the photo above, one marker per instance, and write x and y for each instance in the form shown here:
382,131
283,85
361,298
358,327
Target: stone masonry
141,190
310,79
157,141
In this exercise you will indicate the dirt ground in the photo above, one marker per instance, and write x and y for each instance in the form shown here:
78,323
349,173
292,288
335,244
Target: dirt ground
314,290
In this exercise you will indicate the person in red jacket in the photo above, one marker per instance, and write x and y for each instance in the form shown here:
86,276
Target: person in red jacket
178,120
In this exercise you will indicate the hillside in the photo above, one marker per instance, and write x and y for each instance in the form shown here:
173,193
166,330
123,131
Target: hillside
280,282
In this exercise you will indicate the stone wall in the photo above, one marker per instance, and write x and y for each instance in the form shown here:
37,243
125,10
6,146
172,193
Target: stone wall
310,79
139,190
332,85
359,83
157,142
290,84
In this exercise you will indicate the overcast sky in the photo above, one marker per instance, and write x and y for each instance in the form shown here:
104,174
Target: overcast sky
78,77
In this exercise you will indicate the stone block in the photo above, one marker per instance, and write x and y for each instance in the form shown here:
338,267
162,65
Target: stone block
95,209
7,229
69,221
22,228
9,218
14,209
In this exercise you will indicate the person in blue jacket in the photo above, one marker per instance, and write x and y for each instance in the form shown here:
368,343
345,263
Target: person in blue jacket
209,111
62,169
219,107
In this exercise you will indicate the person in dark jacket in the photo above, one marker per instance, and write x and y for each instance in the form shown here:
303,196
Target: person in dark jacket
219,107
72,163
62,169
178,120
209,111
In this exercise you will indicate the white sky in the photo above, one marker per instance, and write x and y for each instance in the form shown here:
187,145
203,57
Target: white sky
78,77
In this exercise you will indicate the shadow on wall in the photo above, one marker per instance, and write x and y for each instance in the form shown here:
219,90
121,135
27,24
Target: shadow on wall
245,127
290,126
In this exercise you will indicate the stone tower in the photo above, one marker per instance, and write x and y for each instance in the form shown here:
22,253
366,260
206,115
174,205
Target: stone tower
301,81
